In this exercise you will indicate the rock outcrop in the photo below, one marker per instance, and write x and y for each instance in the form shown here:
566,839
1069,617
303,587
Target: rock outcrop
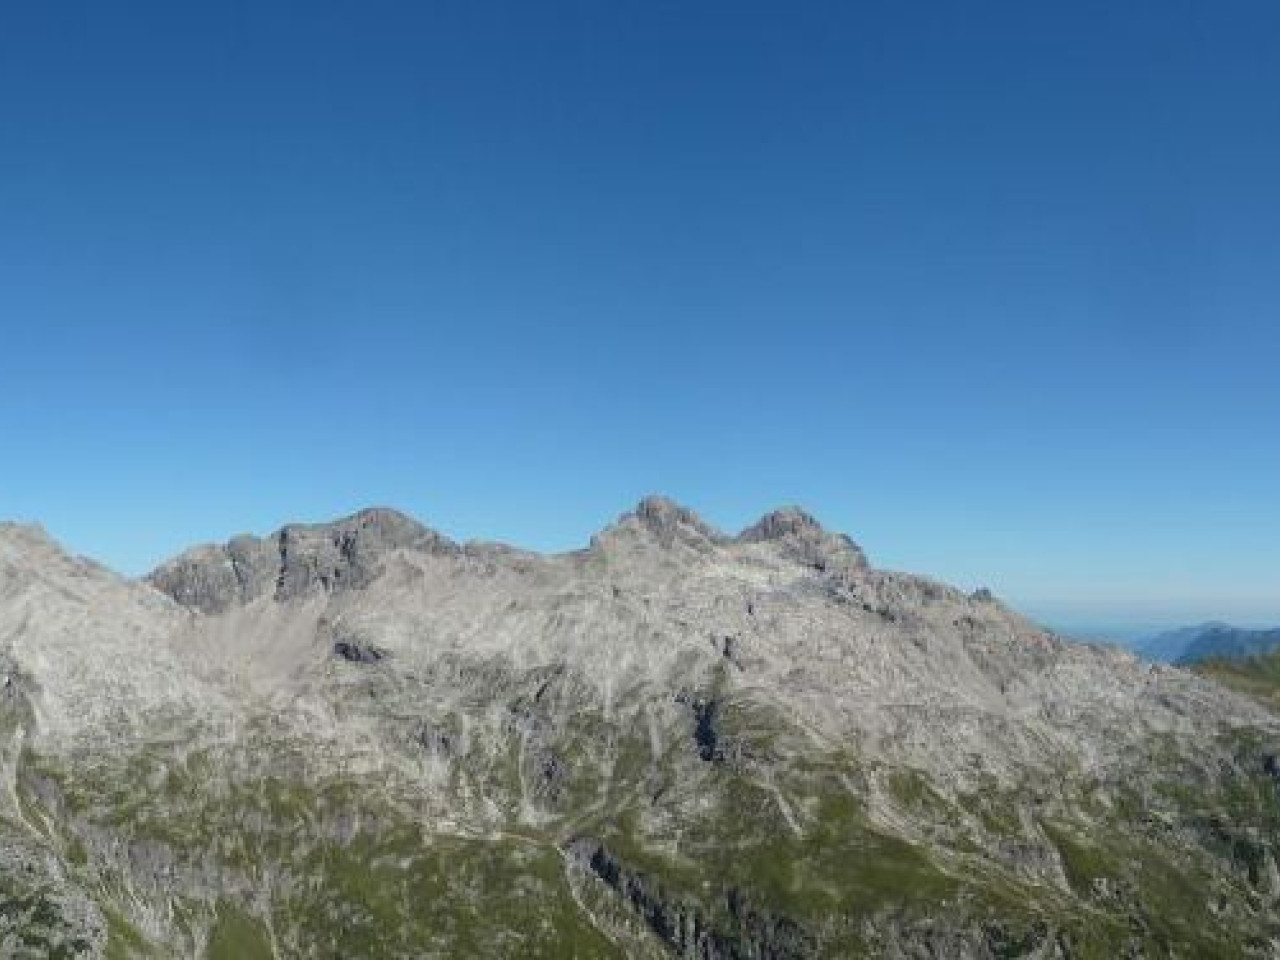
295,560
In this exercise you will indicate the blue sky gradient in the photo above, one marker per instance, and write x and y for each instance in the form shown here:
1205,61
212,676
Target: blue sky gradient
993,287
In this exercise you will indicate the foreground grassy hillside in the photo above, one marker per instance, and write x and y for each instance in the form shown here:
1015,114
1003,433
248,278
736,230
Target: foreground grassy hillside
1258,677
752,853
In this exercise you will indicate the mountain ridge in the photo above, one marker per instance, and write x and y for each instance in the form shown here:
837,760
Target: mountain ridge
682,743
1210,640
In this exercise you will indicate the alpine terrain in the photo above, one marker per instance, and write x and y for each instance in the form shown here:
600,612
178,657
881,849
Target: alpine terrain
364,740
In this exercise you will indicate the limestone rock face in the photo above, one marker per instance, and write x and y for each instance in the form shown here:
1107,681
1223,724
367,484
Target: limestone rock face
364,739
293,561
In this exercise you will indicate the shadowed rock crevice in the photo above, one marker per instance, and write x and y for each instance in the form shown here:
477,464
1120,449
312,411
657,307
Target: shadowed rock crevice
441,742
687,928
358,651
705,732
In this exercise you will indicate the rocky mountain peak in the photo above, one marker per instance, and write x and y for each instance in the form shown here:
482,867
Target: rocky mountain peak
784,522
804,539
298,558
665,517
391,524
660,520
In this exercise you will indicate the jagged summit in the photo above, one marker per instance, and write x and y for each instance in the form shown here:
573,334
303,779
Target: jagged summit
668,520
375,516
350,552
793,529
657,523
297,557
805,540
783,522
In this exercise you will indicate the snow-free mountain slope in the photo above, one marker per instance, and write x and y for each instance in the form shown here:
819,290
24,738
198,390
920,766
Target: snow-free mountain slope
364,739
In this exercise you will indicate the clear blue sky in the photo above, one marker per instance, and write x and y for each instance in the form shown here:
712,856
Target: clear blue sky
994,287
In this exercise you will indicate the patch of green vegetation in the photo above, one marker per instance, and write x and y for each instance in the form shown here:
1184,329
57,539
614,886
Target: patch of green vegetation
354,873
1175,896
912,790
1138,884
393,894
1082,861
821,866
995,808
124,942
838,863
237,936
1257,677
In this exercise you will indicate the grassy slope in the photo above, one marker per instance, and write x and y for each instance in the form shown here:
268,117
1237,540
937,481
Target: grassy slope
1175,863
1258,677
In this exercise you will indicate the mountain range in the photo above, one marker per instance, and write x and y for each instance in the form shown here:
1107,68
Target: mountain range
1209,641
364,739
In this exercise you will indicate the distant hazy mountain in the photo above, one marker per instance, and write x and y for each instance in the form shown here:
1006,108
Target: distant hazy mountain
1231,643
1208,641
1170,645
